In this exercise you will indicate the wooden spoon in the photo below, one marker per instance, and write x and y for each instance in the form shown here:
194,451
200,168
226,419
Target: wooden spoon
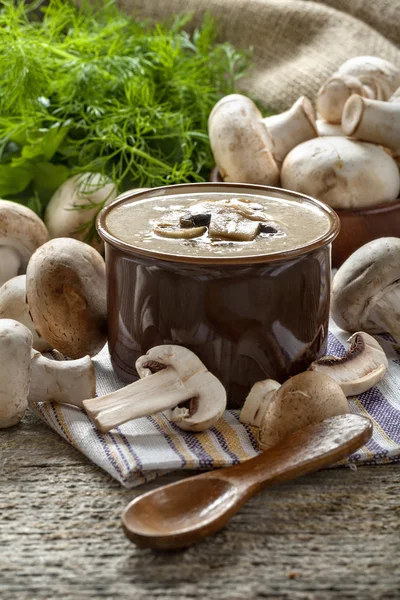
183,513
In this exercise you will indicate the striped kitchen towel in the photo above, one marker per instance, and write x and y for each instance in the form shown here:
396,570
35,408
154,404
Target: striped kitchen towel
143,449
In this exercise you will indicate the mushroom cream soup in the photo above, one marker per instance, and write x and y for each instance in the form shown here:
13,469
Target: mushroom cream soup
223,225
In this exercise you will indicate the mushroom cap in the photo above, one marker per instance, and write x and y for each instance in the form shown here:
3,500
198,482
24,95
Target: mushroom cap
306,398
63,219
21,229
15,370
341,172
240,142
13,305
361,280
381,75
66,291
334,94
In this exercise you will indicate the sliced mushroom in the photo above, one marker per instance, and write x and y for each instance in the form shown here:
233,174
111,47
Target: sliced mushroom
256,403
174,381
234,219
66,292
363,365
62,381
179,232
21,233
341,172
15,371
367,76
373,121
307,398
232,226
366,289
13,305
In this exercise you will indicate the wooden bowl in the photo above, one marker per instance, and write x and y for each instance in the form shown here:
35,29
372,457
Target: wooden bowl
357,227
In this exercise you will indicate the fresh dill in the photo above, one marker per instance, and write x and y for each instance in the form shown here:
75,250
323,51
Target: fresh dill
93,89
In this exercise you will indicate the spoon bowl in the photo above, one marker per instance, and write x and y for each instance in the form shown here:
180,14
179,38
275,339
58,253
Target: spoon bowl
183,513
202,504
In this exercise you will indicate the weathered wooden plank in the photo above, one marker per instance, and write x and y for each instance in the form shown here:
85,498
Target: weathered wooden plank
332,535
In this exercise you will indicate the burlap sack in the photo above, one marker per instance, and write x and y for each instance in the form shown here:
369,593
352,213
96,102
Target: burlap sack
297,44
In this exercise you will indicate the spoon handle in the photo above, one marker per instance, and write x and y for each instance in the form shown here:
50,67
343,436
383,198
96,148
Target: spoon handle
306,450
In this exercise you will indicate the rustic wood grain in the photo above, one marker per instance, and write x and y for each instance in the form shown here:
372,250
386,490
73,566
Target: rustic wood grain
331,535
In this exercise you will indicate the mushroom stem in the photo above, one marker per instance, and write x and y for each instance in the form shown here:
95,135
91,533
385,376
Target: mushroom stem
385,312
10,262
291,128
66,382
372,121
148,396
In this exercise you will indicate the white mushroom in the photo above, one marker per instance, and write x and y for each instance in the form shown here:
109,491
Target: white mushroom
291,128
256,403
367,76
15,371
62,381
363,365
66,291
13,305
306,398
75,204
343,173
332,129
366,289
240,142
21,233
174,381
248,148
373,121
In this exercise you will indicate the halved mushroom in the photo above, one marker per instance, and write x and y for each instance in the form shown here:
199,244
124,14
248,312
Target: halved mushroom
343,173
21,233
13,305
62,381
306,398
174,381
366,289
256,403
15,371
363,365
66,292
373,121
367,76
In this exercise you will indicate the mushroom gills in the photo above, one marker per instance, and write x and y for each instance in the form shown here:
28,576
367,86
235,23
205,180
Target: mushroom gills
363,365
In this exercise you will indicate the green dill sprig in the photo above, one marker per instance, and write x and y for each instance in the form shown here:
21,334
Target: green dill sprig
93,89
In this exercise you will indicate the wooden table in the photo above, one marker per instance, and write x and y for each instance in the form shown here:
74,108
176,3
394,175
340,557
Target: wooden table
334,534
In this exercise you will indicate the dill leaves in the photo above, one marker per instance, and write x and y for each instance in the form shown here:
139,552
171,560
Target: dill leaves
93,89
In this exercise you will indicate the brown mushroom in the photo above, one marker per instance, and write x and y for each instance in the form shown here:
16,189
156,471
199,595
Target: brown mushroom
66,292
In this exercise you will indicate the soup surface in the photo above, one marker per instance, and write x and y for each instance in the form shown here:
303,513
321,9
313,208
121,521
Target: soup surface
226,225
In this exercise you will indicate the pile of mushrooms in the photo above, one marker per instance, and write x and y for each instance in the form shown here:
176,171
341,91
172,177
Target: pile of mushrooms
312,155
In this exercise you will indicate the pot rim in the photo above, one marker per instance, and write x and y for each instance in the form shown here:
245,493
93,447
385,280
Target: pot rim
109,238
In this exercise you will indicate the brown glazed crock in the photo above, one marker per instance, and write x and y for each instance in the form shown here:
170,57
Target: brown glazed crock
247,318
357,226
